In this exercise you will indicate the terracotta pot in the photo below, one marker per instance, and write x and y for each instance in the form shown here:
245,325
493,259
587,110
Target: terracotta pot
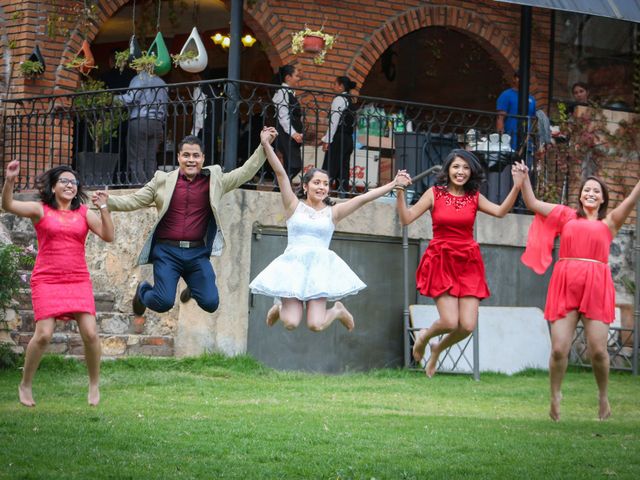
313,44
89,62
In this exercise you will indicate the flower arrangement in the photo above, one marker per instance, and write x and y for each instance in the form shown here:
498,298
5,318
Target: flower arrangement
300,43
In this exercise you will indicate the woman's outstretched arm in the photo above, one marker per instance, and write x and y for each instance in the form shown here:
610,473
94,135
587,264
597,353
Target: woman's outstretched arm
32,210
409,215
615,219
344,209
289,199
101,224
518,172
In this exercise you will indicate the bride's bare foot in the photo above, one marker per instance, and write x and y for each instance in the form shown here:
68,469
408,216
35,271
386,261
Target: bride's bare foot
344,316
432,363
94,395
554,407
273,315
420,345
604,411
26,396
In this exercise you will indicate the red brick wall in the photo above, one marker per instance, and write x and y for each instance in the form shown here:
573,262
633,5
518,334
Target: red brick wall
365,29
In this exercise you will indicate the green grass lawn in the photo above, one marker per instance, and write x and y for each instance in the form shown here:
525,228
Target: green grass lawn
213,417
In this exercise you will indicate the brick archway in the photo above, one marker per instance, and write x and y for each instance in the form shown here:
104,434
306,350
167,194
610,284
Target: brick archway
499,45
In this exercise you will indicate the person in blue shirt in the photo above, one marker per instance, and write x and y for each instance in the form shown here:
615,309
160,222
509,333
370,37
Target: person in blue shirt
507,107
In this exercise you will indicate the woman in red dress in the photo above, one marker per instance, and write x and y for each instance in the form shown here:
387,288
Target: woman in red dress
581,286
60,283
451,270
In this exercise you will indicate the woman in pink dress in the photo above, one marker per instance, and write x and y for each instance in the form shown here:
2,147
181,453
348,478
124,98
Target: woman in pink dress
60,284
451,270
581,286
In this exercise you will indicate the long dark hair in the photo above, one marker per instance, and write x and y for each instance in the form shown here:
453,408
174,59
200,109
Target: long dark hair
47,181
602,211
306,178
477,173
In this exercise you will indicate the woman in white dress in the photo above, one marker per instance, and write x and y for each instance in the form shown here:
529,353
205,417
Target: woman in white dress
308,272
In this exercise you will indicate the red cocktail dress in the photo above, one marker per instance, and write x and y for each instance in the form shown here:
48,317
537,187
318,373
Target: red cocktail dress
60,282
452,262
581,279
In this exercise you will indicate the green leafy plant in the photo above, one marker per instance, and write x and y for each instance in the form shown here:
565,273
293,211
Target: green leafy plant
12,259
100,110
77,62
31,68
122,60
144,63
183,57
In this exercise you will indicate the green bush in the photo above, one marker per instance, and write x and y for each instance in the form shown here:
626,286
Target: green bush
12,259
8,358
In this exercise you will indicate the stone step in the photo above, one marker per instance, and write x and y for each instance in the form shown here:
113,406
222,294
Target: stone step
113,346
105,301
109,323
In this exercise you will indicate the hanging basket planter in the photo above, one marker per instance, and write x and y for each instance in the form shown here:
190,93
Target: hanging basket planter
87,61
134,48
194,44
312,41
313,44
36,56
159,49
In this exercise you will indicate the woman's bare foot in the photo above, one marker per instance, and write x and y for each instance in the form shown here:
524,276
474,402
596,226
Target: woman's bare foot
604,411
94,395
273,315
432,363
344,316
26,396
420,345
554,407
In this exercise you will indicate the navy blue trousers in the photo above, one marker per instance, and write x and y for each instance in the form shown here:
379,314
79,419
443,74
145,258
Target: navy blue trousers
169,264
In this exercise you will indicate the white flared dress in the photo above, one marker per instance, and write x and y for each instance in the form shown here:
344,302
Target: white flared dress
308,269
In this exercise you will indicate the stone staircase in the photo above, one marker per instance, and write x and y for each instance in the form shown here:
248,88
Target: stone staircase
121,333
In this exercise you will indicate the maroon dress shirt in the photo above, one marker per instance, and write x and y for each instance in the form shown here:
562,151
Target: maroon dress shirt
189,211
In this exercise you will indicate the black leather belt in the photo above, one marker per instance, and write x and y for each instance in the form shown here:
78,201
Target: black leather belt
182,243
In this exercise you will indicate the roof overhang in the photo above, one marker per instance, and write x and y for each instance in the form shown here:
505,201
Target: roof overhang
628,10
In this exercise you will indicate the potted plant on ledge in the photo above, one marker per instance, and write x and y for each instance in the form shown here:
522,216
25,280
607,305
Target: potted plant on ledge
100,117
313,41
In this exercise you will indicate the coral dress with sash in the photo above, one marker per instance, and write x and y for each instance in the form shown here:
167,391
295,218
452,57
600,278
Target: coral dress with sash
581,278
452,262
60,282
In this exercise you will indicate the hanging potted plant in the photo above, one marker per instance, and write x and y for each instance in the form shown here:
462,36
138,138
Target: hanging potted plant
193,55
83,61
34,65
312,41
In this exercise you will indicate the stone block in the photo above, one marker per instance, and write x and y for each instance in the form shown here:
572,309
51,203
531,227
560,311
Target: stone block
113,323
114,346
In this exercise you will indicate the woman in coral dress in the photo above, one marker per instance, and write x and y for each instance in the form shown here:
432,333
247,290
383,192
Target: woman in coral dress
60,284
581,286
308,272
451,270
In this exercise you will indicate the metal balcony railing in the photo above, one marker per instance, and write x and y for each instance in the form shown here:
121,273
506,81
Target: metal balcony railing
99,135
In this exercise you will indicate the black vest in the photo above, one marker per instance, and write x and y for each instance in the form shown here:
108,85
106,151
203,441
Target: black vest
347,118
295,112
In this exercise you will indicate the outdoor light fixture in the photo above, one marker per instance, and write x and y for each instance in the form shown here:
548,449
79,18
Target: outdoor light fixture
225,40
248,40
217,38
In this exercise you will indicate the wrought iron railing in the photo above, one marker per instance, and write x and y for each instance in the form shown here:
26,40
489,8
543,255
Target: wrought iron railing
110,142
